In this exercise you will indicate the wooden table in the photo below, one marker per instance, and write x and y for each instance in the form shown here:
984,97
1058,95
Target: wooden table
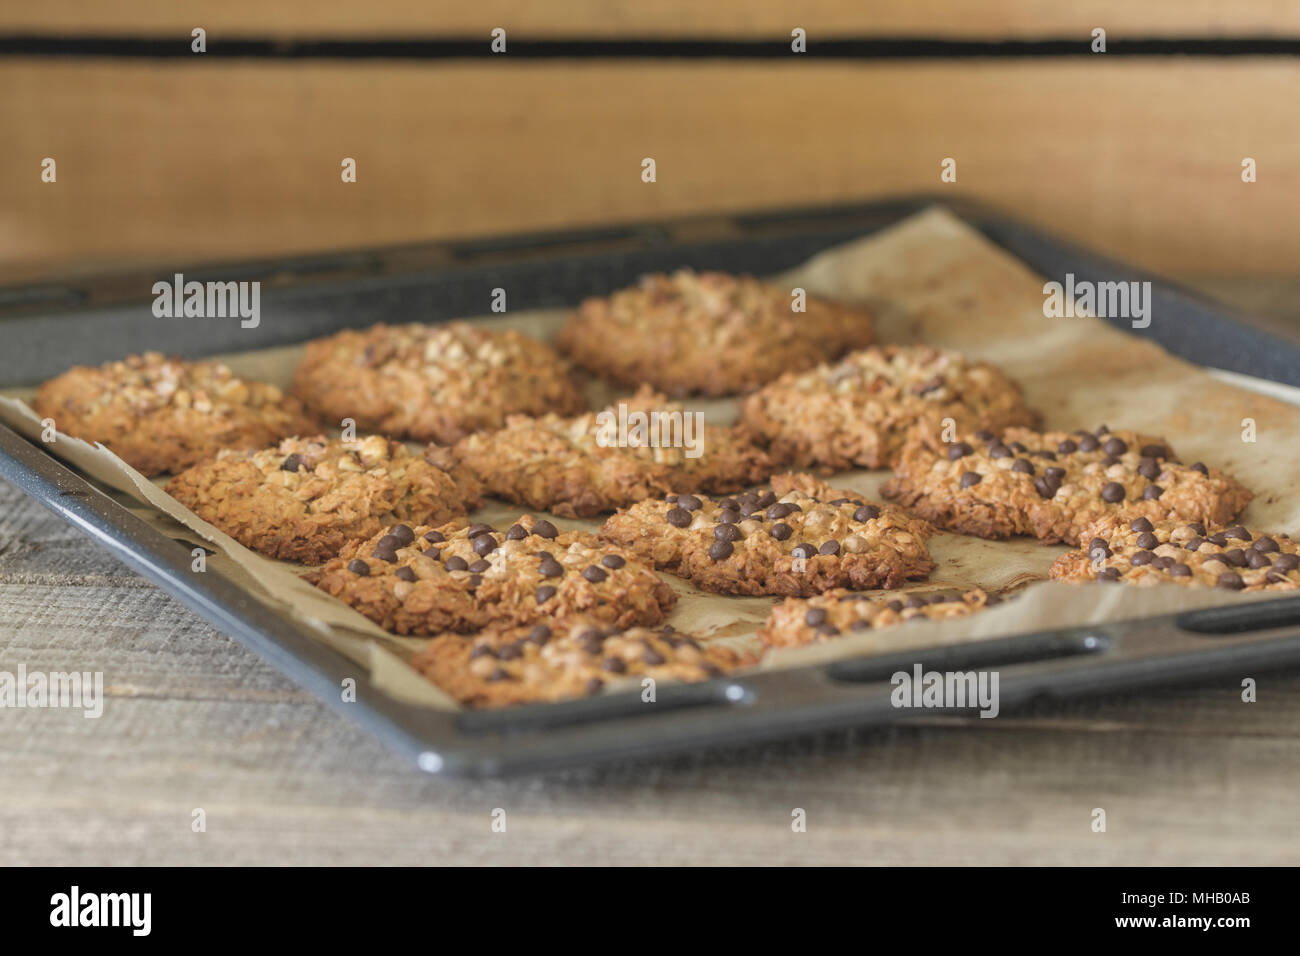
192,720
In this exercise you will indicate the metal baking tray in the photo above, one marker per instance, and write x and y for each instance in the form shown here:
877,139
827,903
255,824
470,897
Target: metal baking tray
46,328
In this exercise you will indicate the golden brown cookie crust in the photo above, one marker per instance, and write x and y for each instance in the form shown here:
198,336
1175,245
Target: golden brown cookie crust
838,613
564,659
160,415
786,541
857,412
573,468
305,498
432,382
1106,473
1135,550
449,579
708,333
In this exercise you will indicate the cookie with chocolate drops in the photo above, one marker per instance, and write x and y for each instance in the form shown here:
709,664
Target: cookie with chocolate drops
1136,550
424,580
857,412
708,333
837,613
1055,484
305,498
432,382
797,538
160,415
552,660
640,448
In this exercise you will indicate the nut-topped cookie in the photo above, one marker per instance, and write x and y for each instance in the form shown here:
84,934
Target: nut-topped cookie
1055,484
858,411
708,333
585,465
839,612
1136,550
424,580
432,382
305,498
160,415
798,538
560,660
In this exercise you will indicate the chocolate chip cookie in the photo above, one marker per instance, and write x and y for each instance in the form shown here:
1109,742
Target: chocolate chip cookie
425,580
599,461
1144,552
432,382
1055,484
708,333
837,613
798,538
161,415
857,412
559,660
307,497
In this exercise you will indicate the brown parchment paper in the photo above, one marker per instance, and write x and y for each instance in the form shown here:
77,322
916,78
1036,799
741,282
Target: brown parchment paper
933,280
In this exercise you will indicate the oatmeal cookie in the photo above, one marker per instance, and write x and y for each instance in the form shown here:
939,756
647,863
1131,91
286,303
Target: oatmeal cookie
424,580
857,412
559,660
1055,484
708,333
1144,552
161,415
833,614
305,498
432,382
575,467
799,538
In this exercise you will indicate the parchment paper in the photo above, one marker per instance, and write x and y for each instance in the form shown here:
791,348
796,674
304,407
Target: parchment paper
932,280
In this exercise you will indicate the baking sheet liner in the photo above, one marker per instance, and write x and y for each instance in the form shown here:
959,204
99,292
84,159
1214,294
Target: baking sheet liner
933,279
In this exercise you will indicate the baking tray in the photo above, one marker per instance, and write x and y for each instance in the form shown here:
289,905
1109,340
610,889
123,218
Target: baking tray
48,327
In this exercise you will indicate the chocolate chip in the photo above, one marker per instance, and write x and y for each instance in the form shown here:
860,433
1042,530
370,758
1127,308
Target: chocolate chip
1042,453
406,574
1197,527
402,533
815,616
729,504
830,547
1230,581
1000,451
593,686
803,551
670,498
1067,447
1045,487
614,665
960,450
1115,446
689,502
1109,460
1238,532
516,532
1161,562
544,529
895,606
474,581
728,517
431,553
1102,430
1098,543
727,532
1108,574
984,435
781,531
1088,443
678,517
1265,544
545,593
484,545
435,536
1152,493
456,563
652,657
1180,570
540,634
866,513
1054,474
482,650
780,510
479,566
1276,577
1194,544
1112,491
720,550
294,462
550,568
1257,559
1017,447
1155,451
1148,469
357,566
1200,466
915,601
497,675
1286,562
1140,558
1140,524
1147,540
971,478
474,530
510,652
613,561
389,542
1235,557
766,500
1220,539
594,574
1024,466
